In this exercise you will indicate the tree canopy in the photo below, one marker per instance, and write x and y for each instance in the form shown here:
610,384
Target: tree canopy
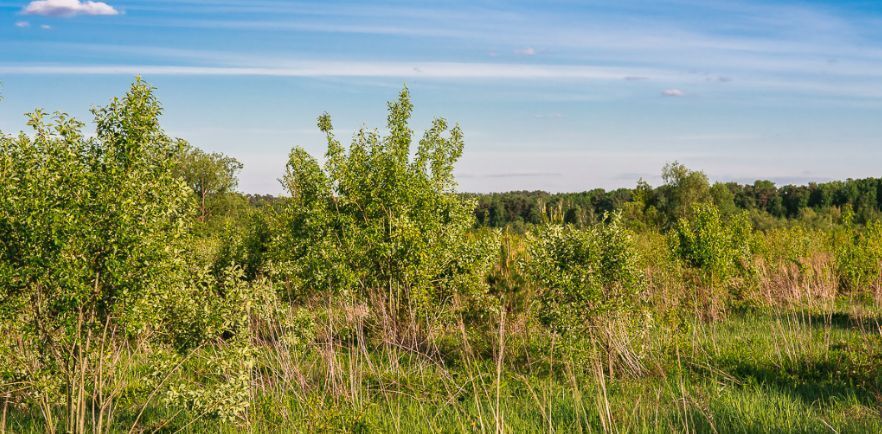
210,175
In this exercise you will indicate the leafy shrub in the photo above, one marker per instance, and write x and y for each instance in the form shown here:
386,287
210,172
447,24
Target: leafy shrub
664,274
589,287
507,279
382,223
791,244
718,249
244,242
92,234
584,274
858,255
94,266
216,380
794,266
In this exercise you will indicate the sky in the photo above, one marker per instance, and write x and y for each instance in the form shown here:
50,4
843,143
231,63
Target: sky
555,95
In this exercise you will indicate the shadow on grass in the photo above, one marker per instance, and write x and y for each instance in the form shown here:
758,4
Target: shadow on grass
846,321
815,382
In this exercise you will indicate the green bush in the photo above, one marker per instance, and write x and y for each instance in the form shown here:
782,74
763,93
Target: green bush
718,249
244,242
858,254
589,284
378,222
791,245
96,263
584,275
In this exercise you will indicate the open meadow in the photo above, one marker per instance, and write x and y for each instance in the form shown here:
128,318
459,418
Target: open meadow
140,292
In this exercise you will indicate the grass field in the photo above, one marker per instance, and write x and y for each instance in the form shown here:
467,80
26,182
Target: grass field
756,371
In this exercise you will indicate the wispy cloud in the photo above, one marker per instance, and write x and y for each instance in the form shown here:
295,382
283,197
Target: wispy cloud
761,42
432,70
22,24
554,115
227,64
301,25
510,175
68,8
716,137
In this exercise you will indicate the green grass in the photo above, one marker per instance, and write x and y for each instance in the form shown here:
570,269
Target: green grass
754,372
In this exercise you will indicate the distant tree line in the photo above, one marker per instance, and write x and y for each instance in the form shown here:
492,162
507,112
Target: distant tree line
535,207
661,206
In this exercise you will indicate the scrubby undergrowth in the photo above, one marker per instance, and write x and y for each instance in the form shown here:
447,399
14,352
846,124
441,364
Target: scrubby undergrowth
139,294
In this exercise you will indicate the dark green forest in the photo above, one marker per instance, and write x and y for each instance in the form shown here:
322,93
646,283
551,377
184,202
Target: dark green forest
769,205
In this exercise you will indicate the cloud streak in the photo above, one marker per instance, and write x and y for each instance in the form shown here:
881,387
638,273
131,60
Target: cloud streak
431,70
539,73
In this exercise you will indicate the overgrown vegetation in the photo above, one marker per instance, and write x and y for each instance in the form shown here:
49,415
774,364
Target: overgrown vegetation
140,293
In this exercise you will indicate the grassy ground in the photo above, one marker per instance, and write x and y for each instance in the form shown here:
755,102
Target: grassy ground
757,371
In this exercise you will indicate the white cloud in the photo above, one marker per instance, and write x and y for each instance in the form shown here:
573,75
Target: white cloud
226,64
527,51
428,70
46,27
554,115
22,24
68,8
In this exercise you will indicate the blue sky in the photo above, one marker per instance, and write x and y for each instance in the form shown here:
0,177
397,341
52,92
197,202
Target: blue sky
554,95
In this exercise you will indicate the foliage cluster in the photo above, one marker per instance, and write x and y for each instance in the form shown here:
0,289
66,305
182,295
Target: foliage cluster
94,236
858,252
378,221
584,275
